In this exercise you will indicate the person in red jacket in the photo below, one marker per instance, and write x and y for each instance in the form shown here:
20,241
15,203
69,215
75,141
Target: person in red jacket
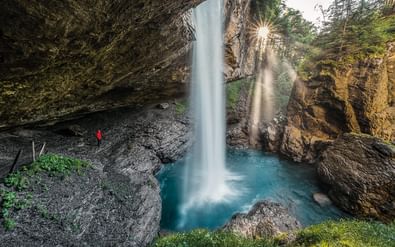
98,137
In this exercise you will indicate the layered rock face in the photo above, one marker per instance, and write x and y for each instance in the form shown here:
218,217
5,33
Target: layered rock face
360,172
265,219
71,57
360,98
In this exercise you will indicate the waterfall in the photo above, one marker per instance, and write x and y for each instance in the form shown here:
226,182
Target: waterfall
205,174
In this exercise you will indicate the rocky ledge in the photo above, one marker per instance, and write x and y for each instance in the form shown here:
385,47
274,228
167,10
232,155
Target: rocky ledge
265,219
117,200
360,173
66,58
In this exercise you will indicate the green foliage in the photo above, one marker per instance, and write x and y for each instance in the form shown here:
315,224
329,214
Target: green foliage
233,91
17,180
268,10
360,34
8,202
181,107
8,199
56,165
291,34
205,238
9,224
348,233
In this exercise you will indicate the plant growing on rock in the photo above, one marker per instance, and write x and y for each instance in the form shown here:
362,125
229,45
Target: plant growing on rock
13,195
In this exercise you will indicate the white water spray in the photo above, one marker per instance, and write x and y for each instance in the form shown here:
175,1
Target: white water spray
206,175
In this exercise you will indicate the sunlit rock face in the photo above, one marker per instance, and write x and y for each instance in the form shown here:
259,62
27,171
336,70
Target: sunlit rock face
359,98
64,58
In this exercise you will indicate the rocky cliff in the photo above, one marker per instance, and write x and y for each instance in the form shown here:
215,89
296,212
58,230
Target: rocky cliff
71,57
357,98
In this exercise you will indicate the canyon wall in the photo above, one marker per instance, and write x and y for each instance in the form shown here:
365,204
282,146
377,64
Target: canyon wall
66,58
357,98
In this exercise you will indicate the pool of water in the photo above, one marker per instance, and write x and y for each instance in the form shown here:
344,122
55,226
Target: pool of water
261,176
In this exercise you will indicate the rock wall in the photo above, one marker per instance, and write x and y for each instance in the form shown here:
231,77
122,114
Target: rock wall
359,171
65,58
239,54
359,98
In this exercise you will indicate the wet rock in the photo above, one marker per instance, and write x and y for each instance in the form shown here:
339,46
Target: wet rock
265,219
322,199
272,133
360,173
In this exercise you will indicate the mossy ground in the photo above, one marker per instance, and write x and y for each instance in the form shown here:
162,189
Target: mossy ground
350,233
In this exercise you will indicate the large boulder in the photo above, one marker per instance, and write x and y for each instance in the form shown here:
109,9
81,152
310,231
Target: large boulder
360,173
65,58
358,98
265,219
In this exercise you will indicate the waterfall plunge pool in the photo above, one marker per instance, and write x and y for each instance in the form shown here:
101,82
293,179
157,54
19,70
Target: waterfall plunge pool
260,177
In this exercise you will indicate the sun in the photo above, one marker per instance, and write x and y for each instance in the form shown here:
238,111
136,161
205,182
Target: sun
263,32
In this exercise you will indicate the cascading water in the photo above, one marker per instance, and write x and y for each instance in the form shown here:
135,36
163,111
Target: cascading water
206,175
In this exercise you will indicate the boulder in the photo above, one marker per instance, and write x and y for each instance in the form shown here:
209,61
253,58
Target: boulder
265,219
360,173
163,106
322,199
271,133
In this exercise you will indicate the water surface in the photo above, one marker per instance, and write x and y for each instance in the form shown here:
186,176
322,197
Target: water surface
261,176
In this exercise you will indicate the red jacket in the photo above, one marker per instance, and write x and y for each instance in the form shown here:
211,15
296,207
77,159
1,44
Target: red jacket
98,135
